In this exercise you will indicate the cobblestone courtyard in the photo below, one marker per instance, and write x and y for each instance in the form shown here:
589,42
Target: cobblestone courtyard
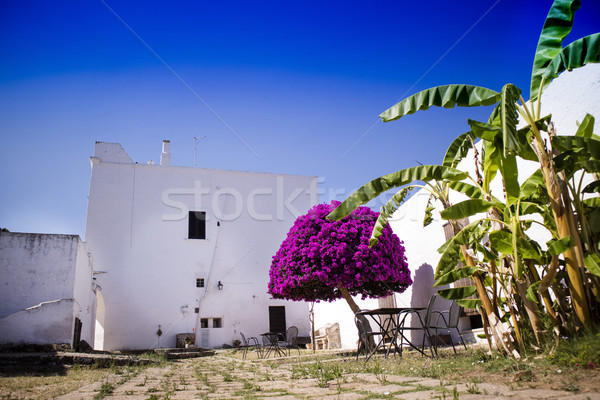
221,377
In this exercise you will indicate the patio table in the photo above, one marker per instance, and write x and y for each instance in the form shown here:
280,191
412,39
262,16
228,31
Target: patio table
271,344
391,324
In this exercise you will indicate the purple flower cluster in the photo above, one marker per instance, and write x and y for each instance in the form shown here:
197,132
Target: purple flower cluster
320,256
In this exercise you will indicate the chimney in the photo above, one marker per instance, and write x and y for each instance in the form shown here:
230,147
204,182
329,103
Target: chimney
165,156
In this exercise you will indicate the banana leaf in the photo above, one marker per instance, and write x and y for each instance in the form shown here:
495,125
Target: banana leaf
593,220
428,217
470,303
577,54
591,166
510,118
458,293
451,252
510,175
386,212
454,275
447,96
559,246
592,263
492,145
458,149
403,177
502,241
532,184
593,202
486,131
523,137
593,187
586,127
466,209
527,207
492,154
577,153
531,293
557,26
462,187
588,146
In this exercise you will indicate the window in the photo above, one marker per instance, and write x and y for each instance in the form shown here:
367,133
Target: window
203,322
197,310
199,282
197,225
217,323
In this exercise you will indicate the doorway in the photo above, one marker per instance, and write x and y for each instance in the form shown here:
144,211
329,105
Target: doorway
277,319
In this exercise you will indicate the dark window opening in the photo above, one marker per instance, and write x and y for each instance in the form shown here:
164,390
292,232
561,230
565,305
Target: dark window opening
476,321
277,319
200,282
217,323
197,225
197,310
203,322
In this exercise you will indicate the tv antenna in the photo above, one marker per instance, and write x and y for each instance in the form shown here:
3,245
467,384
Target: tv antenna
196,138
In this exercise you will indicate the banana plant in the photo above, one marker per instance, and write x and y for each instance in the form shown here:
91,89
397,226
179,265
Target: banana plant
550,60
437,180
573,219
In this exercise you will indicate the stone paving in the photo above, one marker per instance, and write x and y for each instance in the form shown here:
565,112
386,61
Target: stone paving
220,377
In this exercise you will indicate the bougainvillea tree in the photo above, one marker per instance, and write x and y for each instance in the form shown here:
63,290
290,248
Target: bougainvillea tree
327,260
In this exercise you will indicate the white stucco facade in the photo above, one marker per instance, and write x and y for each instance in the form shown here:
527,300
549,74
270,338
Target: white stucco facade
47,284
149,269
568,99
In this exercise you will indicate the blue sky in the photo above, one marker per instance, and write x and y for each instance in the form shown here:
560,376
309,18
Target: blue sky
283,87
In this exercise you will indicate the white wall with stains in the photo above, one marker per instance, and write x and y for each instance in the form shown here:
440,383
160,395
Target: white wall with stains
46,282
137,229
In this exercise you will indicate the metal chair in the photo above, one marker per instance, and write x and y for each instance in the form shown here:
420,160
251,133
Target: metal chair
250,342
446,324
291,340
366,336
401,327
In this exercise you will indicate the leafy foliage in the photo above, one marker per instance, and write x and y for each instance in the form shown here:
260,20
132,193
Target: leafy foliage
446,96
557,26
495,249
377,186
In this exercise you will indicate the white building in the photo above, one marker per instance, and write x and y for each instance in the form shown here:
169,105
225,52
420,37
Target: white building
182,250
568,99
47,293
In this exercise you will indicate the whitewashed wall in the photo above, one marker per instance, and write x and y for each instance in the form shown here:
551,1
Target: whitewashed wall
84,306
137,229
568,99
46,283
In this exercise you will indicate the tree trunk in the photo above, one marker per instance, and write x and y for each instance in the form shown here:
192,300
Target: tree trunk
531,308
573,256
502,337
365,321
346,295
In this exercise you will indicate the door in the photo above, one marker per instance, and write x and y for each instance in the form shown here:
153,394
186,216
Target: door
277,319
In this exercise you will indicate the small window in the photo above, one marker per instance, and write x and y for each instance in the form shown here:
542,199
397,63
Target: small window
197,225
200,282
203,322
197,310
217,323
